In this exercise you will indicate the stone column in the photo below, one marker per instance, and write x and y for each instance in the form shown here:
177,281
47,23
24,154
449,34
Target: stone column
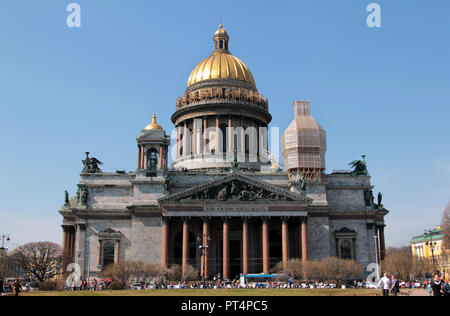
142,156
204,134
185,140
177,144
242,137
230,137
245,245
139,157
226,252
265,244
185,252
217,135
71,244
99,259
285,241
165,242
205,261
194,137
65,248
382,243
80,249
304,239
117,252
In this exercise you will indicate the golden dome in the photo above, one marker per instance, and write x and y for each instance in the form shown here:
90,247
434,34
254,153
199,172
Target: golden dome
221,64
153,125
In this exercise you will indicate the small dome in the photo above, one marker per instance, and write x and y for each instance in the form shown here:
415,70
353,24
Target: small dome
153,125
221,31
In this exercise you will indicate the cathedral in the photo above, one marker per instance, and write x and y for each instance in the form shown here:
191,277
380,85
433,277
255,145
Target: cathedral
225,204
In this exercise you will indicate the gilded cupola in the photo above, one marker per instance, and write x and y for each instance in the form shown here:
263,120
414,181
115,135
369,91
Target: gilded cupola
221,64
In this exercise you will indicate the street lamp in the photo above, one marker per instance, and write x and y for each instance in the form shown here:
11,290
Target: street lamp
204,249
428,233
3,248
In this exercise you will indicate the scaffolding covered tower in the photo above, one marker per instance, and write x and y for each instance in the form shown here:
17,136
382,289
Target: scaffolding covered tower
304,145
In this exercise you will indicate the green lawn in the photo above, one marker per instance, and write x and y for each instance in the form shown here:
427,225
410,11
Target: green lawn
221,292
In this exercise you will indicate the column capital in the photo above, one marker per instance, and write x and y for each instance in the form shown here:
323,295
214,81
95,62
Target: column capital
165,219
205,219
81,226
304,219
185,219
285,219
245,219
68,228
265,219
226,219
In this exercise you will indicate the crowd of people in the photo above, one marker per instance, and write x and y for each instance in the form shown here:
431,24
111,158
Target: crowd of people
437,286
14,287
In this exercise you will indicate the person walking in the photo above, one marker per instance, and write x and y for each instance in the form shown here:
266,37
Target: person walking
395,286
385,285
17,287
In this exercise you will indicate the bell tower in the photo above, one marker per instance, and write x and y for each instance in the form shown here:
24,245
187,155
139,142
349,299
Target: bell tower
153,147
304,145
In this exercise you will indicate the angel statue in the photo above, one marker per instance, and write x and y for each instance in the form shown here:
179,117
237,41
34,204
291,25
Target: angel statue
91,165
360,166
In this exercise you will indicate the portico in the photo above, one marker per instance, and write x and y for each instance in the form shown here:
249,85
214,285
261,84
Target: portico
237,232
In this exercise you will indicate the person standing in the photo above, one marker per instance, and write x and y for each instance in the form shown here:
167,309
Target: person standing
1,287
436,285
385,284
395,286
445,286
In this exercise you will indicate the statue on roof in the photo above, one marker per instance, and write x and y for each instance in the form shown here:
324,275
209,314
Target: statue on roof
360,167
303,183
380,198
91,165
66,197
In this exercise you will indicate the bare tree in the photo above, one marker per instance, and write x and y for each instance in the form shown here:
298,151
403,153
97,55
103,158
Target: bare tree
39,259
401,263
332,269
294,268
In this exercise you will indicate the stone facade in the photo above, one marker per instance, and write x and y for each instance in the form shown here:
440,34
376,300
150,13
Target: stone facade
222,206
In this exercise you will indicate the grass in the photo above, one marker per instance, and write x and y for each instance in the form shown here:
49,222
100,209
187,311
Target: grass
219,292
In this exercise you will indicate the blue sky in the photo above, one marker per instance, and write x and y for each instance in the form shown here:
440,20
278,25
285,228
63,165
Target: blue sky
382,91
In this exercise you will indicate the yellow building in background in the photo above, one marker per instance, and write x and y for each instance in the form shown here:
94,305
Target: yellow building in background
430,246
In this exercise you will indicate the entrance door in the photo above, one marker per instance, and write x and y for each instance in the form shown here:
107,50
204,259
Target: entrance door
235,259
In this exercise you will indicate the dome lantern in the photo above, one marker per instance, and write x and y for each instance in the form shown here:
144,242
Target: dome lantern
221,39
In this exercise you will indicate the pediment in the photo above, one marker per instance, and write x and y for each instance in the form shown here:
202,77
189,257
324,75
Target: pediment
235,187
152,136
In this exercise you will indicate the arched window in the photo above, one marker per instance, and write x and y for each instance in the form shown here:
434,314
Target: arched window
152,159
108,254
247,144
346,250
223,129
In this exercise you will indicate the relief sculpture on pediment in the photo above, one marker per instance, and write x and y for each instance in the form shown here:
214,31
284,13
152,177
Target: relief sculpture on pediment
236,191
